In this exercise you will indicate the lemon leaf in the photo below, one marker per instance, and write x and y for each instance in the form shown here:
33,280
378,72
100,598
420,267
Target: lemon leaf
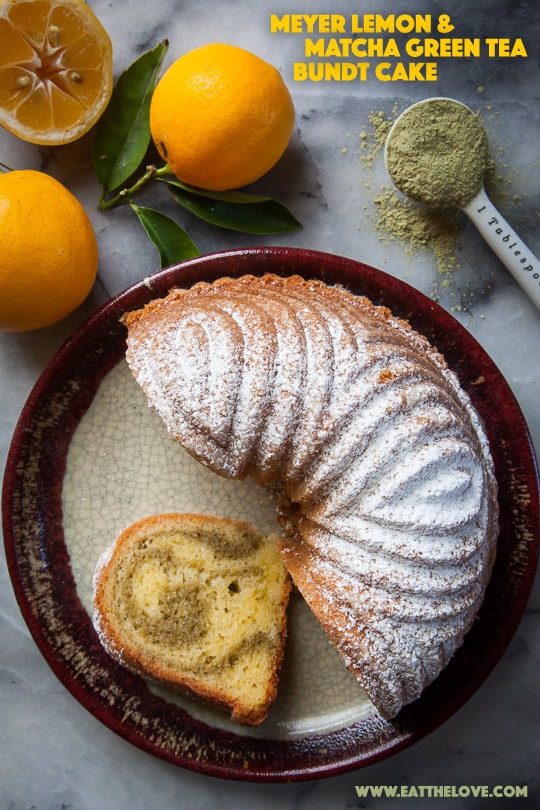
235,210
233,196
123,132
171,240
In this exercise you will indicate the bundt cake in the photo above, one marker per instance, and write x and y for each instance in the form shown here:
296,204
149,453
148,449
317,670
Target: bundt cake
198,604
387,489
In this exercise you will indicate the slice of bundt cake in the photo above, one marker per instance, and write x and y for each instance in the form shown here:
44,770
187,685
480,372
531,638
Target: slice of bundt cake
199,604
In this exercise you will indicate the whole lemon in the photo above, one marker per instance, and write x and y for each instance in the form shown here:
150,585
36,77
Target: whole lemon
221,117
49,253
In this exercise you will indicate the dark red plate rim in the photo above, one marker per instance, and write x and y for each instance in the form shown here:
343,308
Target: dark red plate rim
40,569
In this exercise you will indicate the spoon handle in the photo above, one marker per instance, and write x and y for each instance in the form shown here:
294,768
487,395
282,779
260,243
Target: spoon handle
505,242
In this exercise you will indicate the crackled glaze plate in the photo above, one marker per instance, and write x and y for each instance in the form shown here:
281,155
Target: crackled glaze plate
89,457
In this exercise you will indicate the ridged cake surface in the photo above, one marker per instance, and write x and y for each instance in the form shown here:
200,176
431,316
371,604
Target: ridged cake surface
388,493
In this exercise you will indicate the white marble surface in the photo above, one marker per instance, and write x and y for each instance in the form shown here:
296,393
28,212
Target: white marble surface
53,753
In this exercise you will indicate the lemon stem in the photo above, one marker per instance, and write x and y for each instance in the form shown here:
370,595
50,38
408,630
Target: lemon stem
125,195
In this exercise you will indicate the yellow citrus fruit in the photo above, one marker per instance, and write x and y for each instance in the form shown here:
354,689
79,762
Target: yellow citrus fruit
49,251
55,69
221,117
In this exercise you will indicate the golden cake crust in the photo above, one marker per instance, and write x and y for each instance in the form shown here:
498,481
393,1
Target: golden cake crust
390,514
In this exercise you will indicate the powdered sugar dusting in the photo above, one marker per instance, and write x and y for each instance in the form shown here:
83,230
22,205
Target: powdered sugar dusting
357,419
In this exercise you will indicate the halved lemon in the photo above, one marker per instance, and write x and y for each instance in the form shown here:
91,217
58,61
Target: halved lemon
55,69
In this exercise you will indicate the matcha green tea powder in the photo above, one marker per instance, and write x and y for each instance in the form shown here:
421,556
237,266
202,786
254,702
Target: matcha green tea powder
437,153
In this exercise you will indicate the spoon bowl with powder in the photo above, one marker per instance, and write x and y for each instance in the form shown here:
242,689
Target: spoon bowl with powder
437,154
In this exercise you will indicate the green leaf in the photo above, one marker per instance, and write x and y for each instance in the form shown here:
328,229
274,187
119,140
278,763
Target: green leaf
123,131
235,210
173,243
233,196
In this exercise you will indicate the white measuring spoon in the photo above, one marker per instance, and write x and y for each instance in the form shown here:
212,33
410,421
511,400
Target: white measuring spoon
500,236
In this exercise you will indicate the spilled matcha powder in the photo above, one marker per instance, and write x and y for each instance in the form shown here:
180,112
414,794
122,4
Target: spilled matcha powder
373,142
397,219
419,228
437,153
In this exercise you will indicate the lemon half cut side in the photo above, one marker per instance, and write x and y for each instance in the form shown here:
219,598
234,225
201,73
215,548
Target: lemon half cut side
55,69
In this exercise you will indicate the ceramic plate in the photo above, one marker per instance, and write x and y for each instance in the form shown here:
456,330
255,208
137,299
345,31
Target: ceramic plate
88,457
